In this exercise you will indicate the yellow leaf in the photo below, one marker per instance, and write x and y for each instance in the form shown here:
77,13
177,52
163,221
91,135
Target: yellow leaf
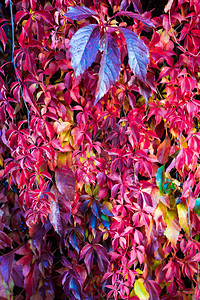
64,159
173,227
183,143
183,217
139,271
140,290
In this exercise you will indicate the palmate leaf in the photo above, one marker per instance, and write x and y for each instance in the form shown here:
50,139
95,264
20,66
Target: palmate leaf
84,47
110,66
79,12
138,56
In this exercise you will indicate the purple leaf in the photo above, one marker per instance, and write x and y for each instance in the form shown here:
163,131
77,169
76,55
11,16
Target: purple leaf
54,215
75,288
106,212
74,241
88,253
137,53
93,222
5,241
84,47
130,14
65,182
96,209
89,257
17,275
110,66
102,256
124,4
79,12
6,266
137,6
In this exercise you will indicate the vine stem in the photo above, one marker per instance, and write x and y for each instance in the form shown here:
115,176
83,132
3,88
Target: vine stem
14,65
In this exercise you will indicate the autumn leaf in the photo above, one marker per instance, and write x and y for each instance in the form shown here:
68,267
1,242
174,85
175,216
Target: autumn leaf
160,178
163,150
140,290
110,66
173,228
79,12
65,182
183,217
138,56
84,47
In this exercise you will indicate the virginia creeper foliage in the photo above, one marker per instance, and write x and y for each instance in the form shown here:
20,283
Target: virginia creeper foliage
99,149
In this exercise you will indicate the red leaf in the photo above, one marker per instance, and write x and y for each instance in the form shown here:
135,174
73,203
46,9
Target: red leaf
19,15
46,16
30,99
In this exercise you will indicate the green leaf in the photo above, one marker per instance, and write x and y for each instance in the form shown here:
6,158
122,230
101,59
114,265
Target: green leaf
140,290
160,178
88,189
197,206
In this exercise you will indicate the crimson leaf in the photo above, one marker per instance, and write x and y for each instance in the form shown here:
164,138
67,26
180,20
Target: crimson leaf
110,66
79,12
137,53
84,47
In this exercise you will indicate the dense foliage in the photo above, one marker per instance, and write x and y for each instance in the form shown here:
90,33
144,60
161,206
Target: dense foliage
99,149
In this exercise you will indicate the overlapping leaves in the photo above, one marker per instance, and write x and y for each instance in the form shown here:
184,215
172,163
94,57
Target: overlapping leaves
86,42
